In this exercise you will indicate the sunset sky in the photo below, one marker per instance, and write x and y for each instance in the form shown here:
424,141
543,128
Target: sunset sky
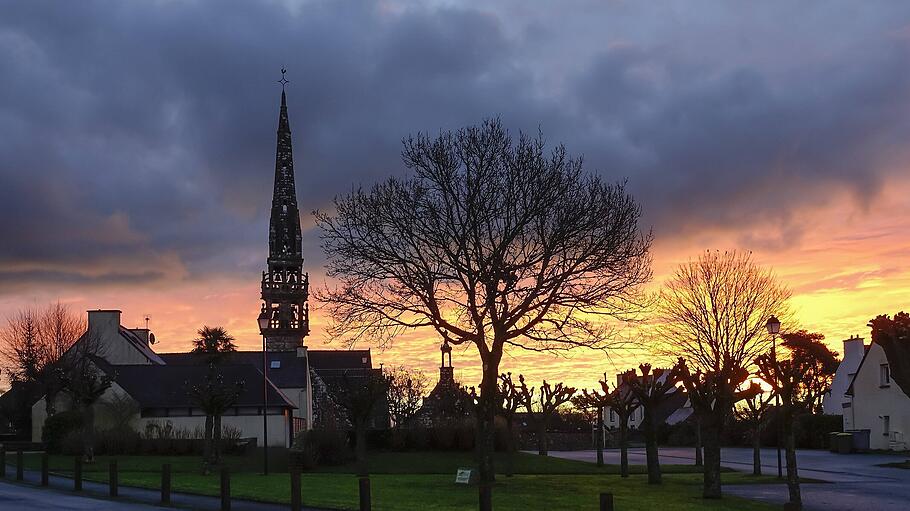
137,142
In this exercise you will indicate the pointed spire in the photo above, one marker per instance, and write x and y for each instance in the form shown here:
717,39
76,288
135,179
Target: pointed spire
284,235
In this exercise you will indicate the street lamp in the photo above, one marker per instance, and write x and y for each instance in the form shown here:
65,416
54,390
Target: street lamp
264,321
773,326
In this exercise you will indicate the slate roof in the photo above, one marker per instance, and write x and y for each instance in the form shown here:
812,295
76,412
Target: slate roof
166,386
291,370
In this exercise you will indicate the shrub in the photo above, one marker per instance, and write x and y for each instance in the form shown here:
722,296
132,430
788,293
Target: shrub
321,447
57,427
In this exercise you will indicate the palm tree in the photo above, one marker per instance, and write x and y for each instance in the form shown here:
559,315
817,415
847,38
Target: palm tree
214,340
213,396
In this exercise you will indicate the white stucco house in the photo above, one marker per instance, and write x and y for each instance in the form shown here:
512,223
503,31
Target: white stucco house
156,384
876,404
835,401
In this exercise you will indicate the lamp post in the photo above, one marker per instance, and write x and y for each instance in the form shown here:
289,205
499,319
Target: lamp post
264,321
773,326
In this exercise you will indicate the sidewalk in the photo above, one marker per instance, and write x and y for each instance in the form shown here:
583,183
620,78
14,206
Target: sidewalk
32,479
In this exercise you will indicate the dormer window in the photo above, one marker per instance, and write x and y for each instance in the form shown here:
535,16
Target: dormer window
276,364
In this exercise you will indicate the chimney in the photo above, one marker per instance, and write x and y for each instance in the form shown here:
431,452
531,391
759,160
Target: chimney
141,333
301,351
104,322
854,348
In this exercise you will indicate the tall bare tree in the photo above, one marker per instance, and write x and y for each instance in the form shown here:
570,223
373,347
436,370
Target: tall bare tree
493,242
86,381
550,399
712,313
652,388
407,387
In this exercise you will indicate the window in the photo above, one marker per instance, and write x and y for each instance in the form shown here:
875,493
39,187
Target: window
884,376
886,425
612,415
276,364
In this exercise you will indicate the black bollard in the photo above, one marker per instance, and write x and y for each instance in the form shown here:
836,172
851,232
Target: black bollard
77,473
225,489
606,502
295,490
166,484
2,462
112,479
45,469
486,496
365,493
20,465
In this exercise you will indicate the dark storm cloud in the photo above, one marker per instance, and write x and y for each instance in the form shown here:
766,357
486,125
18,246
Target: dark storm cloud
142,135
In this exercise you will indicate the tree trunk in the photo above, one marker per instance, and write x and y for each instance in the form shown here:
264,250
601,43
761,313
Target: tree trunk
711,430
207,445
542,435
50,408
486,415
653,459
510,447
360,439
792,475
216,439
699,460
88,433
756,450
623,448
599,437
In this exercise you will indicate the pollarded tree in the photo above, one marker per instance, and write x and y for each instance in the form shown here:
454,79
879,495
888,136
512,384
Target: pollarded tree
550,399
893,335
786,380
493,242
712,313
754,415
512,396
591,405
622,403
652,388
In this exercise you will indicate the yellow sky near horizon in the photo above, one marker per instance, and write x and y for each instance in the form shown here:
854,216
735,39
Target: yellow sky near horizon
845,263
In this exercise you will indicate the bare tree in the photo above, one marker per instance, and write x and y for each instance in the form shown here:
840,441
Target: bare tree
622,403
32,346
652,389
406,387
754,415
786,380
550,399
512,397
712,313
86,381
591,405
493,242
360,393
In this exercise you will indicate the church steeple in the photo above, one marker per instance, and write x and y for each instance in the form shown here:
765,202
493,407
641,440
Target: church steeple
284,285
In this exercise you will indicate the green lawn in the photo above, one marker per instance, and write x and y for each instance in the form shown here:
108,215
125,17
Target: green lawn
406,481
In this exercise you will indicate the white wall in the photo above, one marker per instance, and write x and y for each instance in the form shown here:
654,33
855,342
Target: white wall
833,402
250,425
871,402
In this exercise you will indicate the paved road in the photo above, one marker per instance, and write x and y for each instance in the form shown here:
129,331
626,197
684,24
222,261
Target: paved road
854,482
18,497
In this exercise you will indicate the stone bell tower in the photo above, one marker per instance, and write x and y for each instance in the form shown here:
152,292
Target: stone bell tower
285,287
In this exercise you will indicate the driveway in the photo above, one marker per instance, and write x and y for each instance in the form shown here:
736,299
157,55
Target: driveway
855,482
